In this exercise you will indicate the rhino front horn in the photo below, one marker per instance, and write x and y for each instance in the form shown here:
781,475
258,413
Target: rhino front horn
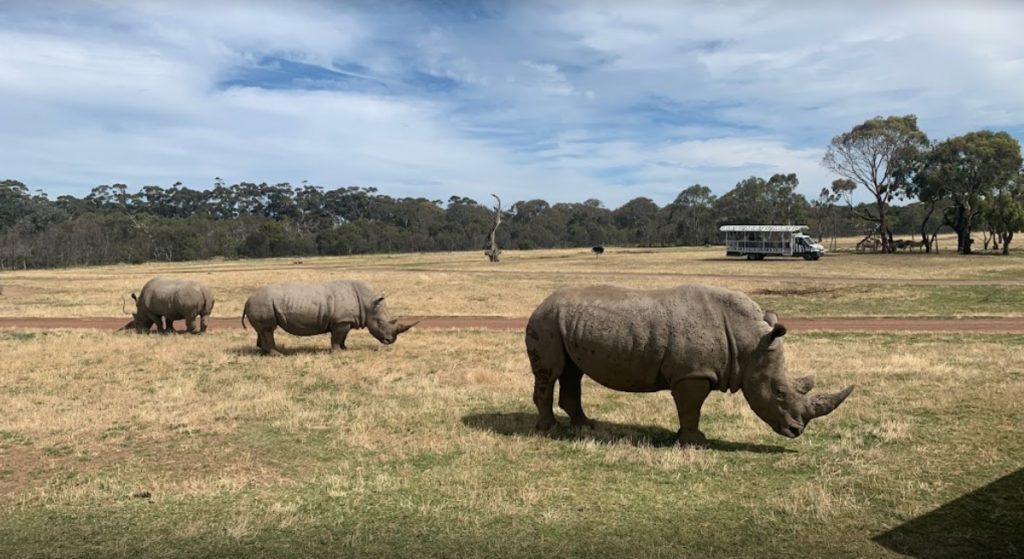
403,327
824,404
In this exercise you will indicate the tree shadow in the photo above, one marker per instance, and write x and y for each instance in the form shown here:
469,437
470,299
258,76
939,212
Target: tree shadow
986,522
522,424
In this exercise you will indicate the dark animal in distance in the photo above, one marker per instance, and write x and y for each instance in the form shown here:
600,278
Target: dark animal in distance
690,340
303,309
598,250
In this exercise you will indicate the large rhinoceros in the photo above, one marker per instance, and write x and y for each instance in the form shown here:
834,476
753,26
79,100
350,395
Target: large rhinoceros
305,309
690,339
164,300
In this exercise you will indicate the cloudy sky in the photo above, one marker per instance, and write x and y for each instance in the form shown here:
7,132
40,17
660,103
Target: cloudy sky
558,100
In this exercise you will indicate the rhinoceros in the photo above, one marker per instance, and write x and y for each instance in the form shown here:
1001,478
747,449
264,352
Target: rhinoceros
164,300
310,309
690,340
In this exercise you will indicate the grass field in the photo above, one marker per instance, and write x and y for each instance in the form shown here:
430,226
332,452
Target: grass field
425,448
845,284
117,445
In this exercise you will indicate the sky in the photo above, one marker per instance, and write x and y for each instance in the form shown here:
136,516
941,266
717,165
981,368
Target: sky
563,101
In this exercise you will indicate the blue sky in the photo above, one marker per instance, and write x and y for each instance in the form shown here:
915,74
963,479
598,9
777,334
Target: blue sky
557,100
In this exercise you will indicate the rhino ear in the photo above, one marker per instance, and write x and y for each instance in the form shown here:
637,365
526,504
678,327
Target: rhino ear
378,301
778,331
134,298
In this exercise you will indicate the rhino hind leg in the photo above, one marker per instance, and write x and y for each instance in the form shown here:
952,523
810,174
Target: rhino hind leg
190,325
689,396
202,323
547,359
570,394
266,342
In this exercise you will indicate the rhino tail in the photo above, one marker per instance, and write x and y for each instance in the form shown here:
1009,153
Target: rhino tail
243,317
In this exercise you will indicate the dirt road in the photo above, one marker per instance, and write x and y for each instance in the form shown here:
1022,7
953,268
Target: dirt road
1011,325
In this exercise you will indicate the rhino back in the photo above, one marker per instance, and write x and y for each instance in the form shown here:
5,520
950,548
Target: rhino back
351,301
171,297
298,308
643,340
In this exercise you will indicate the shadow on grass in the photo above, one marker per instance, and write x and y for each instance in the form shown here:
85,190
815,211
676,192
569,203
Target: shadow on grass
300,350
983,523
522,424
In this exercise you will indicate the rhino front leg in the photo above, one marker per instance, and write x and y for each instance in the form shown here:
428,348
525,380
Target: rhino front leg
202,323
689,396
160,327
191,326
570,395
338,335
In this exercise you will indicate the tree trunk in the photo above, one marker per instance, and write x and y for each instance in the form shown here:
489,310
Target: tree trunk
1007,237
883,229
494,253
924,235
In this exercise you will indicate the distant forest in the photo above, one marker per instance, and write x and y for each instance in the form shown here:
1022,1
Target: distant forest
248,220
968,184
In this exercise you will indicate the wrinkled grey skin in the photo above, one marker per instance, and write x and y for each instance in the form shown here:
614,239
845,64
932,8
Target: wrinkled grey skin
164,300
690,340
305,309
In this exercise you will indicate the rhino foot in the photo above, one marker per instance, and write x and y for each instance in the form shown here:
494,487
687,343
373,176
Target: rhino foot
582,423
691,438
545,424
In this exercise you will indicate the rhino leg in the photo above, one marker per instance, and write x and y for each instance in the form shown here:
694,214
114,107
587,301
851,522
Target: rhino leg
266,342
689,396
570,394
159,321
202,323
338,335
547,359
190,325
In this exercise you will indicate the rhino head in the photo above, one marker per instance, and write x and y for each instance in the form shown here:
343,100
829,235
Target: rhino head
786,406
382,326
138,323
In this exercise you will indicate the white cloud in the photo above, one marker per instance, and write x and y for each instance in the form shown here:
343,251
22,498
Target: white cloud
560,101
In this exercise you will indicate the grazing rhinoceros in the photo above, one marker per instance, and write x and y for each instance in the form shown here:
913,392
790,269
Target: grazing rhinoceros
305,309
164,300
690,339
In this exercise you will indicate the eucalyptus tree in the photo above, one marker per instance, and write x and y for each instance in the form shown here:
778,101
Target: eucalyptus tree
970,171
1004,211
880,155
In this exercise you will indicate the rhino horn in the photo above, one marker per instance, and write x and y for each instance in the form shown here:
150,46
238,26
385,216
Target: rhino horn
823,404
403,327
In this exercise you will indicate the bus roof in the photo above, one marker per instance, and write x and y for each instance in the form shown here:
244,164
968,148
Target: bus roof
764,228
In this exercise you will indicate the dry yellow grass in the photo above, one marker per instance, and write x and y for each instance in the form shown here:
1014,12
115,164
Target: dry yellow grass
466,284
437,431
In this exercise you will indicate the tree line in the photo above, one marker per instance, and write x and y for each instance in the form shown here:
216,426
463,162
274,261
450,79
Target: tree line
968,183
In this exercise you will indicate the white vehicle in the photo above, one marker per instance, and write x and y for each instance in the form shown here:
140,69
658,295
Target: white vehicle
757,241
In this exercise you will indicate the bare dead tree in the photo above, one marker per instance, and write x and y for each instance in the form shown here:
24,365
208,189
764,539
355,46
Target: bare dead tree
494,253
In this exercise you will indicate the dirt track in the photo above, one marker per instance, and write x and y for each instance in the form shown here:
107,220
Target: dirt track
1012,325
